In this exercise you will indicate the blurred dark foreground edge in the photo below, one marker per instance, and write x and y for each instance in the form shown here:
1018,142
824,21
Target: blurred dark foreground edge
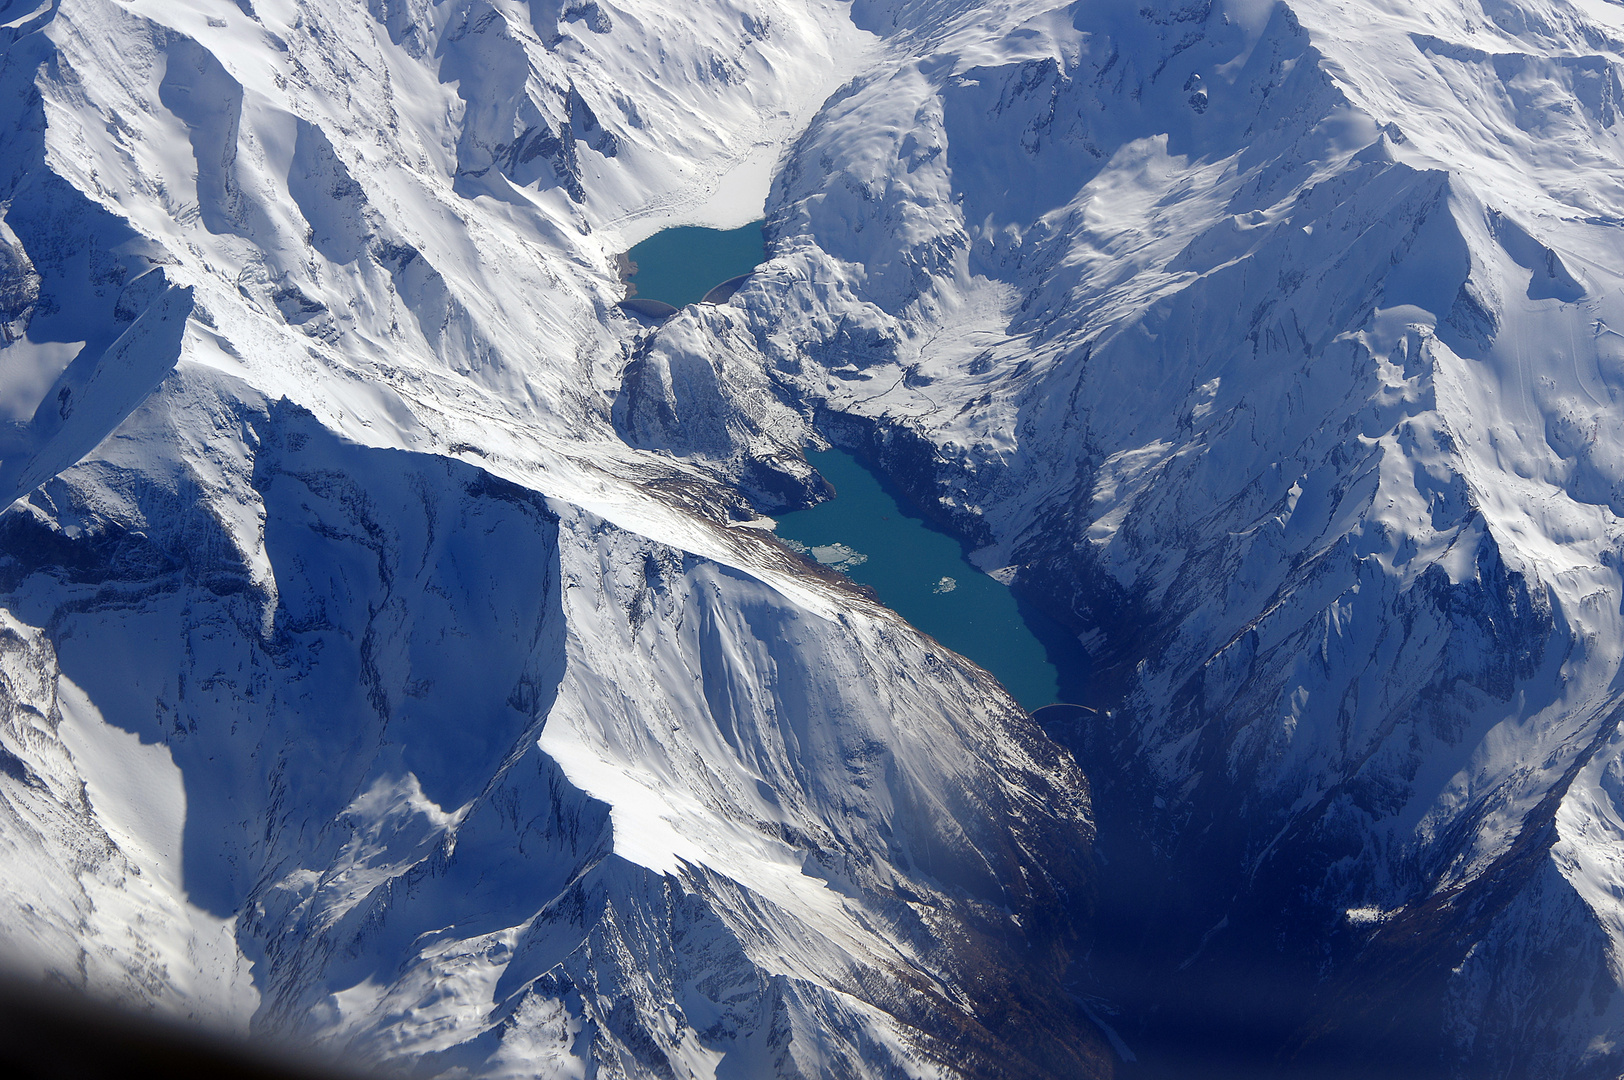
53,1034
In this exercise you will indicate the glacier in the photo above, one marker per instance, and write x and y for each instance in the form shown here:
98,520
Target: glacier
392,661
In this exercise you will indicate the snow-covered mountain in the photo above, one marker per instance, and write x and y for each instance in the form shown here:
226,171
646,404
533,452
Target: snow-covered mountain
1270,345
361,686
389,663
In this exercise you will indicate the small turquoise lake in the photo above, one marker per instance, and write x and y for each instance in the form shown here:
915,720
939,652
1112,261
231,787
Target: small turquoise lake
922,575
679,266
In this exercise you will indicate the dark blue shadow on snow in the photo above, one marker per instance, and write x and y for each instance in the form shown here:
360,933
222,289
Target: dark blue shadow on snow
416,627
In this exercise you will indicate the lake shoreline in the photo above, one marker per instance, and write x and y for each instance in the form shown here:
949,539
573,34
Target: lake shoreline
626,270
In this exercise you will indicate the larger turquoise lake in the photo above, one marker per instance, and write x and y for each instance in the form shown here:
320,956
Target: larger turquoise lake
922,575
679,266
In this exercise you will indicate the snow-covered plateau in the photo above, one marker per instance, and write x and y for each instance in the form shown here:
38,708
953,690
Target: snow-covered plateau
383,669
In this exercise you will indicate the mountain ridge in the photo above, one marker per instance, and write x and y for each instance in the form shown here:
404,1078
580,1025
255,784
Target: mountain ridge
1242,391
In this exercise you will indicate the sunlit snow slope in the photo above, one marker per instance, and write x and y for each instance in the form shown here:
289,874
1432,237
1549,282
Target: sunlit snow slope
359,684
1276,347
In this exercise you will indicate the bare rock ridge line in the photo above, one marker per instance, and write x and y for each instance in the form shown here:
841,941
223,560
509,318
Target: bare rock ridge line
379,671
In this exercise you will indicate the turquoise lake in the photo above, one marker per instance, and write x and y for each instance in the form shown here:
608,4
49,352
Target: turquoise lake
922,575
679,266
